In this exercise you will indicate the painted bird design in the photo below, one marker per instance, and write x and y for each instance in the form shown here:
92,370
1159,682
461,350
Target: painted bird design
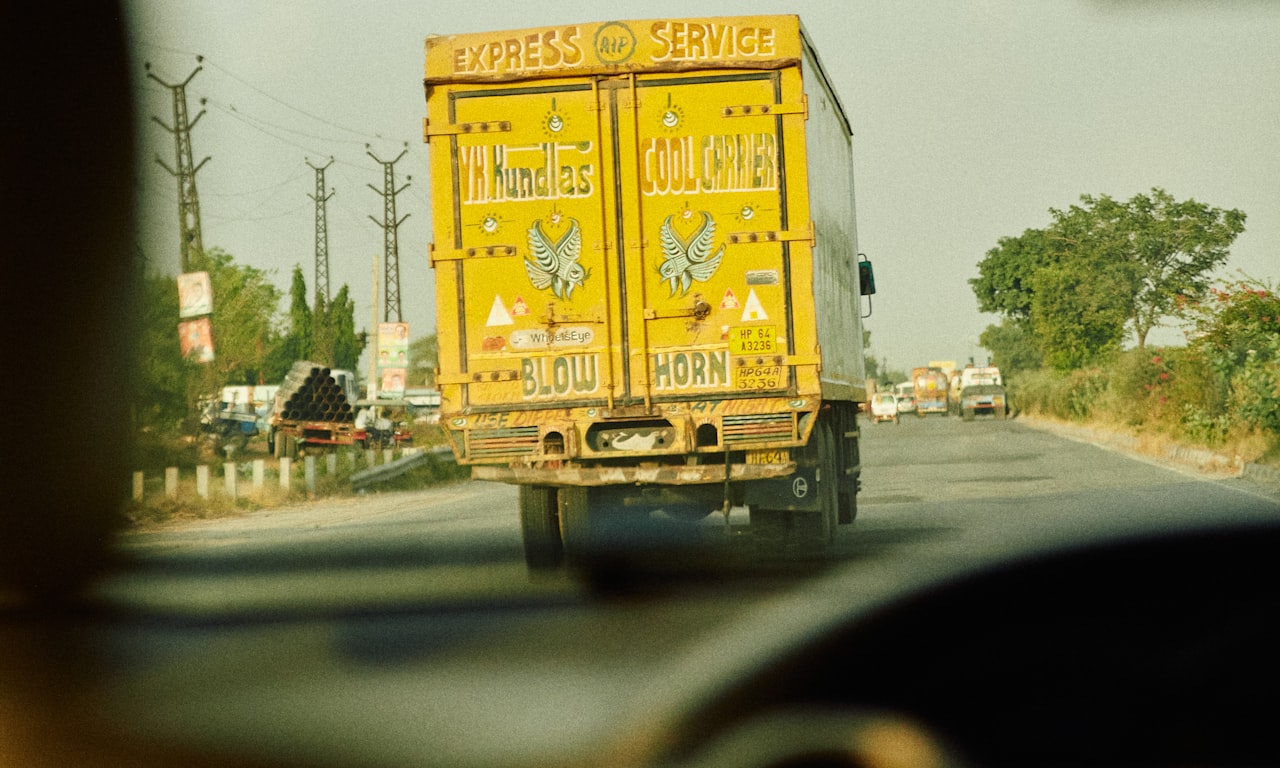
689,260
555,264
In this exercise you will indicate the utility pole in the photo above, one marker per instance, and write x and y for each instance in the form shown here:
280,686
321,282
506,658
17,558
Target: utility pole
189,238
322,235
389,224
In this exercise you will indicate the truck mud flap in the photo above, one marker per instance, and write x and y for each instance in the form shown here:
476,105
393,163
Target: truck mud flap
796,492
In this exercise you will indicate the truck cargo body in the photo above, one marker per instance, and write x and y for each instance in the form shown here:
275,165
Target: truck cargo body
313,406
930,388
647,288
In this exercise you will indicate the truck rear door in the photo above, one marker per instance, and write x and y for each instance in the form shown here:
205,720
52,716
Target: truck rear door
618,241
705,231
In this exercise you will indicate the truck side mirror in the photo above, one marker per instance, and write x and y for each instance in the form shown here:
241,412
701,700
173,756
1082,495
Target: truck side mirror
866,280
866,276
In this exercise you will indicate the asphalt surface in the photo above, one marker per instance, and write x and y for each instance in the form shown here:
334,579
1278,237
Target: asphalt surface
403,628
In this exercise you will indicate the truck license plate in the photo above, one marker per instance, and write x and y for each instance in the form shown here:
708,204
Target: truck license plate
768,457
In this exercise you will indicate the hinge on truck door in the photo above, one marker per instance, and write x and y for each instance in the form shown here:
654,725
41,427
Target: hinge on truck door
488,251
756,110
455,129
791,235
478,377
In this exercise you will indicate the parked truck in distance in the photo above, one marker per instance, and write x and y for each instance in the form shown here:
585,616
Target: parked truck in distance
647,283
239,413
314,406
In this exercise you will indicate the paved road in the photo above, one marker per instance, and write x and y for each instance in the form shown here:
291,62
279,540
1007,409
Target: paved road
986,485
403,629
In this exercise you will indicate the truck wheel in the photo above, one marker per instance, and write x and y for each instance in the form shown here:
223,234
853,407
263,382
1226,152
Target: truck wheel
540,527
817,528
575,529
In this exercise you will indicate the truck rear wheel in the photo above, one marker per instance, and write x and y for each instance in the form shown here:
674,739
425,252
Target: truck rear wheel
540,526
575,525
818,528
812,529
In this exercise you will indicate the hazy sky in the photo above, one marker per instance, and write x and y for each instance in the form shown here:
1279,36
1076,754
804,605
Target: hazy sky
970,120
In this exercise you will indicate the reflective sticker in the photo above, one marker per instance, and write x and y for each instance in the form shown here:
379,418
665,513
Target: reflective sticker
519,308
762,277
561,336
498,314
730,301
754,309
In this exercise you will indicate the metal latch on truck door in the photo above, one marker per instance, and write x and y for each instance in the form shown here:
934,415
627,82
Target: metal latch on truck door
756,110
459,129
791,235
488,251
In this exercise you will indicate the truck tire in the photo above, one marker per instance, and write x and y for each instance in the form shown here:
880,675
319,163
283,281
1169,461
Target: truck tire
815,530
575,524
540,527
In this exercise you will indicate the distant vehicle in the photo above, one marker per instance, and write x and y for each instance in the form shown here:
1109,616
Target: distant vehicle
930,389
884,407
905,392
983,399
239,413
314,407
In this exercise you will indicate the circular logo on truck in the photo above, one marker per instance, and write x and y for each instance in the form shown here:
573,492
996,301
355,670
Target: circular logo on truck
800,487
615,43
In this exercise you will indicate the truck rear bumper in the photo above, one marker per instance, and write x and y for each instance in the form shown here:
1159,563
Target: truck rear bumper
601,476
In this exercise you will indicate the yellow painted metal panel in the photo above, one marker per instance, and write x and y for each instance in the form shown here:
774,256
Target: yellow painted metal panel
615,47
624,231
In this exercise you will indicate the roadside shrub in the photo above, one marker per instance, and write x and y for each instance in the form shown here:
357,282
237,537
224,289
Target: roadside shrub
1073,396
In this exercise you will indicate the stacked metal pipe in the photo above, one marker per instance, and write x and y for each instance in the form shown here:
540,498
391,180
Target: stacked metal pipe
310,393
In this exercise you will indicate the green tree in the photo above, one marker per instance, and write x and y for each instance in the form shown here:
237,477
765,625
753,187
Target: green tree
424,358
244,318
869,360
1013,346
1006,276
1166,250
161,383
1103,267
1077,314
346,342
299,340
245,337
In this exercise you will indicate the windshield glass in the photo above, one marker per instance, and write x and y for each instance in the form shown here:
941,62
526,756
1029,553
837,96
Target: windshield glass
492,384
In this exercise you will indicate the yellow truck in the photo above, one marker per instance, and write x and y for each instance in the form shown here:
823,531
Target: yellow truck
648,284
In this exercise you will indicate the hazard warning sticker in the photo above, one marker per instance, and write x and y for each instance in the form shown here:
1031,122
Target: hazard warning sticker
498,314
754,310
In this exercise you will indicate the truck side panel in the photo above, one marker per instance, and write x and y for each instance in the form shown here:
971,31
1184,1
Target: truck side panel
835,253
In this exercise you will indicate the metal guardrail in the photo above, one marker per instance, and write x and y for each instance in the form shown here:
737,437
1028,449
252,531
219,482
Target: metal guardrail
393,469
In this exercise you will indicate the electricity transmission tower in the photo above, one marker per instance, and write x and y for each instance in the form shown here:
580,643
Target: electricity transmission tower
390,245
189,238
322,235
